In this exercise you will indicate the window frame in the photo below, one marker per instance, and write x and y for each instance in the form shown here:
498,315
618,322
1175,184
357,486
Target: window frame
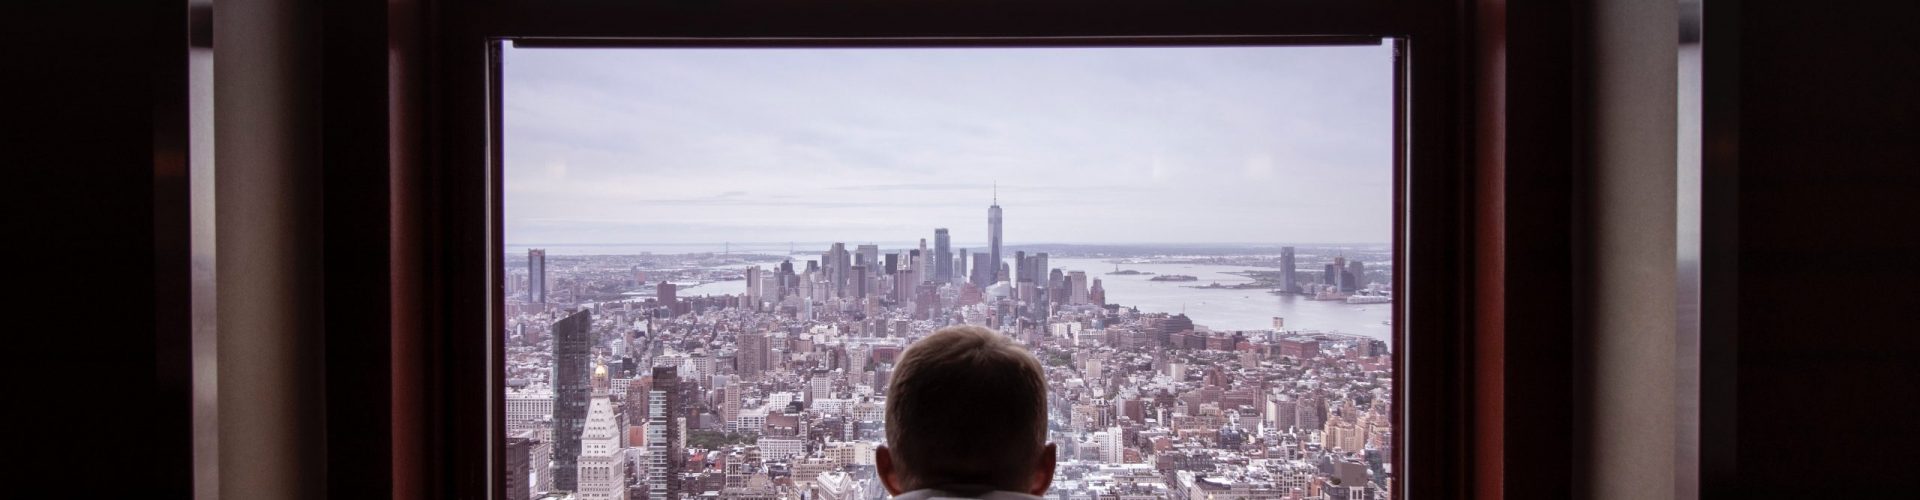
1435,205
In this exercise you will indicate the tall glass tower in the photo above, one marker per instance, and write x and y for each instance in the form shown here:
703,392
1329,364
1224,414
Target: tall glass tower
537,275
572,385
942,256
993,235
1287,283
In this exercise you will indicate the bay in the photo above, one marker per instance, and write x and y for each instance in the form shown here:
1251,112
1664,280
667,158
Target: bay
1220,309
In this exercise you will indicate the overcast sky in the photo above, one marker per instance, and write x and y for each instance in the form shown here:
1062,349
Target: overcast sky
1106,145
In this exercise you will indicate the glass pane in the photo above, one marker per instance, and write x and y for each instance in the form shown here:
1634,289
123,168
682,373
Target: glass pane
715,256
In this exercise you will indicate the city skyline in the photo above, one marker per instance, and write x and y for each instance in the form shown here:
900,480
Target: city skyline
777,387
1269,145
910,190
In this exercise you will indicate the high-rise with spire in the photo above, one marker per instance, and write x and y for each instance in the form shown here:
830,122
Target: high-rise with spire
602,473
993,233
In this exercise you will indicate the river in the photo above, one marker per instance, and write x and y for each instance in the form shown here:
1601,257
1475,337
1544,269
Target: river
1227,309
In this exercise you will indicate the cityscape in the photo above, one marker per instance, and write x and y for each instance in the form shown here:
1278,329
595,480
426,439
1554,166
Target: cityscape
713,259
762,374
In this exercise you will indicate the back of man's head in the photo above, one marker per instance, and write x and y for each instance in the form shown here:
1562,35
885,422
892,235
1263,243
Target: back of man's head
967,406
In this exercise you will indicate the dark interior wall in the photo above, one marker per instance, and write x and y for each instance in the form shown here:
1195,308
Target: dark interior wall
1524,133
1828,142
1828,198
93,141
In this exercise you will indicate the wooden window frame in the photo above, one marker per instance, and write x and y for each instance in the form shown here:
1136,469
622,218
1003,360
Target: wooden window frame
1480,222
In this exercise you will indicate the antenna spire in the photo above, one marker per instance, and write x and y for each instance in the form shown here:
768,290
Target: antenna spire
996,192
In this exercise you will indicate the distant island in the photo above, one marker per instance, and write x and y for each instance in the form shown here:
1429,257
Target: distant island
1236,286
1174,277
1129,272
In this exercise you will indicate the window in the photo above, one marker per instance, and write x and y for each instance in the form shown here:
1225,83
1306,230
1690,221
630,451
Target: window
1431,454
711,257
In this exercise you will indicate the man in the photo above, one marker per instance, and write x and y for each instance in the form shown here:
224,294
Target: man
966,418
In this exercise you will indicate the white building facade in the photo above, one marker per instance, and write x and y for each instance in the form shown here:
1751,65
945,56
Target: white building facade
603,464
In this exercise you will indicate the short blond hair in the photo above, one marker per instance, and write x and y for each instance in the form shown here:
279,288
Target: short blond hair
967,406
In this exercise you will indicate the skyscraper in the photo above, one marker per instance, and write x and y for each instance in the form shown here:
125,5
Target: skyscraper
1039,266
993,234
1359,272
655,479
602,470
537,275
730,405
872,254
1287,283
666,414
1334,271
519,464
783,281
960,267
754,291
839,263
751,358
921,263
913,266
572,346
1022,268
983,269
634,399
1055,287
1078,281
942,256
668,295
902,290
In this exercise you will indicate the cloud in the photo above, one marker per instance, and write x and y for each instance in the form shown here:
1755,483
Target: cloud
913,187
1260,167
1086,145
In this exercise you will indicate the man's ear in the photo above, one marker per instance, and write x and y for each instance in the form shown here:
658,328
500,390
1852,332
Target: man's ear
883,464
1043,472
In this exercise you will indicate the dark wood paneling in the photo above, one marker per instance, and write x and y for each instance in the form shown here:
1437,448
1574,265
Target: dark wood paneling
358,235
99,333
1523,138
1828,190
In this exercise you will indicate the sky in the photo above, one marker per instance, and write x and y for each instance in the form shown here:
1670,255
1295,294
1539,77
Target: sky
1185,145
